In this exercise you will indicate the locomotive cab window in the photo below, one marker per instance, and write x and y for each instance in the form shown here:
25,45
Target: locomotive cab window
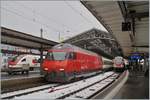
72,55
56,56
23,60
49,56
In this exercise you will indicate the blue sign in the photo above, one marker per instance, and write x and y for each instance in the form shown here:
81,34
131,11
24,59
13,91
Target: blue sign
136,57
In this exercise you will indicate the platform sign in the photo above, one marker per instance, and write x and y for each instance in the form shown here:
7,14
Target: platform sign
136,56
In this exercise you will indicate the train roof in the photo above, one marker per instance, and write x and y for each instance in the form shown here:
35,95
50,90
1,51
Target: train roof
106,59
118,57
72,48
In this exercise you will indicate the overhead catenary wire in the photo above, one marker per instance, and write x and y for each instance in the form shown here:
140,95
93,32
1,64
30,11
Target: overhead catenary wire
79,13
66,29
30,19
45,17
48,25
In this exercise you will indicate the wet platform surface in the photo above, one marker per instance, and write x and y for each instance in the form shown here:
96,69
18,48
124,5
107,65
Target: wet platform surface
136,87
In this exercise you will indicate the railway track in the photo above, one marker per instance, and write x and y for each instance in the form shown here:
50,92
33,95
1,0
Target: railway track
10,85
27,91
80,89
89,91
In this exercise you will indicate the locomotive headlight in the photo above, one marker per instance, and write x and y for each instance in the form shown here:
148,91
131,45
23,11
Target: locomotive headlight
61,69
10,66
45,68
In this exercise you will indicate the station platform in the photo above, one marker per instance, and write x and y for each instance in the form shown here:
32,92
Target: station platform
5,76
136,87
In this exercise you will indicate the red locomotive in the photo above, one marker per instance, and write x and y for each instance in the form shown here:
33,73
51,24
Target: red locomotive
65,62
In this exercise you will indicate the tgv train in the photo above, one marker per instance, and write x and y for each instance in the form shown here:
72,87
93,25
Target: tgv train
65,62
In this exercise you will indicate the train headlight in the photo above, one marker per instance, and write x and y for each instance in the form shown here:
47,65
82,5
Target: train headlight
10,66
61,69
45,68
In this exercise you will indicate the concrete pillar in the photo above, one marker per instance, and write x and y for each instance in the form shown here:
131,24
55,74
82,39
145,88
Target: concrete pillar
41,53
41,61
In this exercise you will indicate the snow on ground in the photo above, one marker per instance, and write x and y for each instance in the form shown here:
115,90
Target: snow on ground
63,89
93,89
26,90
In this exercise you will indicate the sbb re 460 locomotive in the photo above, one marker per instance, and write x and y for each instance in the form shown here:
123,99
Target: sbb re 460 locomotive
65,62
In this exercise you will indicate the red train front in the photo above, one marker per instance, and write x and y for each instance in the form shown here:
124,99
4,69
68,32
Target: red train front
65,62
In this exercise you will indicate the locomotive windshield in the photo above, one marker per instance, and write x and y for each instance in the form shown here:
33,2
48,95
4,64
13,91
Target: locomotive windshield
56,55
118,60
60,55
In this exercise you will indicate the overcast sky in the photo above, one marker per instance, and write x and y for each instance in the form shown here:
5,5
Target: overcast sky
67,18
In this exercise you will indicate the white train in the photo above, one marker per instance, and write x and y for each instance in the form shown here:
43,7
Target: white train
119,63
23,63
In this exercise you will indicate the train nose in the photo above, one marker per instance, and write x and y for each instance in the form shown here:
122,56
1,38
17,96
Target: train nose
12,63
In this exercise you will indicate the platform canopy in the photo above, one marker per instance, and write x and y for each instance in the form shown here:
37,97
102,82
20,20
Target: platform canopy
97,41
112,14
16,38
